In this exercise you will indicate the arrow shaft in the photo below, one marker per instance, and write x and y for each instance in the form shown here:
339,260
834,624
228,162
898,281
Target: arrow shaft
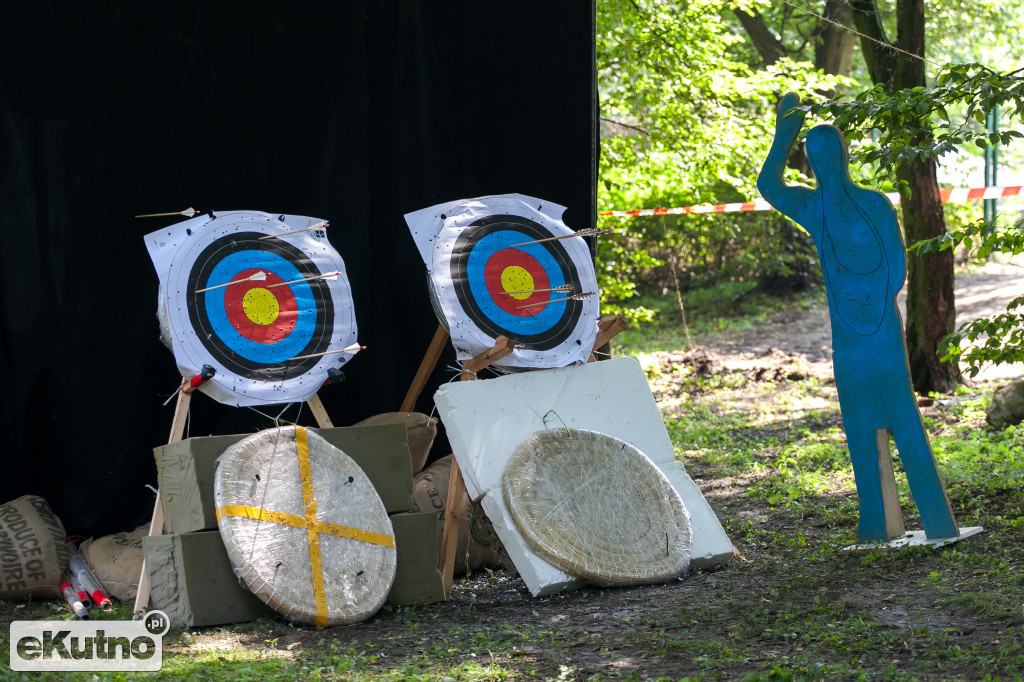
556,300
562,290
187,211
305,279
581,233
256,276
350,349
319,226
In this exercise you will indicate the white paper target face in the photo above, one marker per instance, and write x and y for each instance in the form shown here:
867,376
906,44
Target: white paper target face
262,299
496,271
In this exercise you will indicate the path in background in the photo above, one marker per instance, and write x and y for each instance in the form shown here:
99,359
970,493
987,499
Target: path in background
807,332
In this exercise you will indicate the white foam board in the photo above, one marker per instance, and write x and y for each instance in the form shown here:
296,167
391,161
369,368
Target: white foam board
541,578
486,420
710,546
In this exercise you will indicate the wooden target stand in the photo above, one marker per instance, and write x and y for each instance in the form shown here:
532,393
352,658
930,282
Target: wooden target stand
608,327
181,407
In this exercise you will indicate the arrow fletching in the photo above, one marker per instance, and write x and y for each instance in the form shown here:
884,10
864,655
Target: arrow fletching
189,212
254,277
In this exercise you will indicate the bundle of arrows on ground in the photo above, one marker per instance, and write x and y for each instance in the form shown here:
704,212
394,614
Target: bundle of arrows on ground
80,586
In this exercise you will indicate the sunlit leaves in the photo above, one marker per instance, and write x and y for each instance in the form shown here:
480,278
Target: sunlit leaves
685,122
887,126
884,125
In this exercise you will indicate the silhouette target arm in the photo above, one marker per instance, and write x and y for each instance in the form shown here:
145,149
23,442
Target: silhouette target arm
788,200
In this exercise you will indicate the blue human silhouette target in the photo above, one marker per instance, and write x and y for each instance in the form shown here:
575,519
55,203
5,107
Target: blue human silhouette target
508,266
264,300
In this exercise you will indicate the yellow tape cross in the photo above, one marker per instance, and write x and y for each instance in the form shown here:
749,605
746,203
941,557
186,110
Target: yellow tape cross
308,521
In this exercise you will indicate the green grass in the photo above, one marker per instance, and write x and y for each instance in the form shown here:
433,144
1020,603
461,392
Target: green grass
772,461
779,450
728,307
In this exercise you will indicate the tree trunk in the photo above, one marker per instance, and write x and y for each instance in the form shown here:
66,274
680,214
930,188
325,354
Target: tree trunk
931,311
833,46
767,45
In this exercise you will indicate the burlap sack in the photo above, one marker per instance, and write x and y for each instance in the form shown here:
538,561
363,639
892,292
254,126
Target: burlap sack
117,561
420,432
478,545
33,549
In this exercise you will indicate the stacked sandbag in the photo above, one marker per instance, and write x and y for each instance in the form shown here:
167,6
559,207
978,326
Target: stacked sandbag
117,561
420,432
33,550
478,545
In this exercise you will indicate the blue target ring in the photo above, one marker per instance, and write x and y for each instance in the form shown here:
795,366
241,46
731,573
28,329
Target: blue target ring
271,353
541,327
263,357
486,247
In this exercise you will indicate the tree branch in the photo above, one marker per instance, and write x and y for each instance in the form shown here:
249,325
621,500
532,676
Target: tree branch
833,45
768,46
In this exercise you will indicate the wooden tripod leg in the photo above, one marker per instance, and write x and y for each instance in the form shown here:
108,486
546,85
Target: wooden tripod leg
317,407
608,327
427,366
502,347
456,485
894,527
450,534
156,524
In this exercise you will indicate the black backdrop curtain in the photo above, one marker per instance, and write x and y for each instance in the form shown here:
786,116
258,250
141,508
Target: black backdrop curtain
356,111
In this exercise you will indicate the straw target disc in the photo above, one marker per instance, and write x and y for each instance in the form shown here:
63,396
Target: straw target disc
597,508
304,527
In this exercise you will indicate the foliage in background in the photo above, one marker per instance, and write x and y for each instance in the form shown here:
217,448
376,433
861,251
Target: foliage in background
877,124
687,103
686,121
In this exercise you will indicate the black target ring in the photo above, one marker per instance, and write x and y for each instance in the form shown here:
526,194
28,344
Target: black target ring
320,328
553,334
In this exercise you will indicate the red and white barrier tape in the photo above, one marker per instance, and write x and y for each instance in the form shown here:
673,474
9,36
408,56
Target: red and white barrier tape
958,194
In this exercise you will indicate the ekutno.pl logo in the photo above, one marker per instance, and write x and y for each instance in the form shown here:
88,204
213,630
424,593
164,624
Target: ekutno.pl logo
40,645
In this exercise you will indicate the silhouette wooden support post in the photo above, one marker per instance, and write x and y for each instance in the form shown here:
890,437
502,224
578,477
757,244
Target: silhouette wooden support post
864,262
156,524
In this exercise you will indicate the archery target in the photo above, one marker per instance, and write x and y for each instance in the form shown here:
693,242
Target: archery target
241,295
495,271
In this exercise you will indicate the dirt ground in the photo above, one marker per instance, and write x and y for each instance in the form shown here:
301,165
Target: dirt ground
712,621
768,613
806,334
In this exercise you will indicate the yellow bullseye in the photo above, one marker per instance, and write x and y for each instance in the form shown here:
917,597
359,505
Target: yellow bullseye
515,278
260,306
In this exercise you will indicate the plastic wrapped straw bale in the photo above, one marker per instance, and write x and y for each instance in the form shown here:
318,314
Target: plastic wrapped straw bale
304,528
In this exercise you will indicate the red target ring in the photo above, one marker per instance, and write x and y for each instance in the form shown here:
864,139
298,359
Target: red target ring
511,270
259,311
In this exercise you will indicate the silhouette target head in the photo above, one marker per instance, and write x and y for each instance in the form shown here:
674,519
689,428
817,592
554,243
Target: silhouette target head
850,232
826,152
